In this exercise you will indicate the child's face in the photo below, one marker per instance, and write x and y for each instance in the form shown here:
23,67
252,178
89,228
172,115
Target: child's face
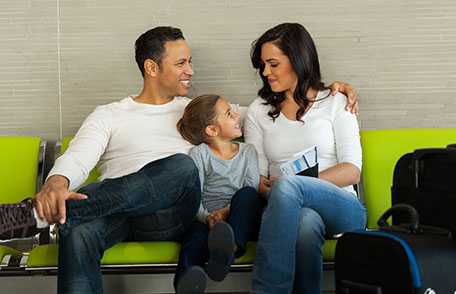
227,120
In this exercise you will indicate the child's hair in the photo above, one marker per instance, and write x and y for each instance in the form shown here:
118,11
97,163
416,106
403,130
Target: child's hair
198,114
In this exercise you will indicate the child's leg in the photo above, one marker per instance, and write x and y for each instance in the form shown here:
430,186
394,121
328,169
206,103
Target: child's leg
245,217
194,251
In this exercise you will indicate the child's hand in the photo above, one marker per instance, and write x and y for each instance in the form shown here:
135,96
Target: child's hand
222,213
266,184
211,221
217,216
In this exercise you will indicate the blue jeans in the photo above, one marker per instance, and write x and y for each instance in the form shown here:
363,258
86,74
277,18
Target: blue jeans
245,217
156,203
300,212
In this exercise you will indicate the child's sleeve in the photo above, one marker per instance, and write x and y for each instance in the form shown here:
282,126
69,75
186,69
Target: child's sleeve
252,178
197,156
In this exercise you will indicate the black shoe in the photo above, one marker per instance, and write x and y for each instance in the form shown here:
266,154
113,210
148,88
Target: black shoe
221,251
193,281
17,221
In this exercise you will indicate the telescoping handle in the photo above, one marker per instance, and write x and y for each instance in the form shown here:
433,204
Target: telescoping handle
418,154
413,226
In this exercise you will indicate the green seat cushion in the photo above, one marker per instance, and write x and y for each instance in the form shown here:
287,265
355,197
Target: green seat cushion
122,253
329,250
18,167
381,150
158,252
4,250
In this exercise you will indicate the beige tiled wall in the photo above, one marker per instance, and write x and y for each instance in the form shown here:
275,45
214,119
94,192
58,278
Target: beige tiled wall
61,58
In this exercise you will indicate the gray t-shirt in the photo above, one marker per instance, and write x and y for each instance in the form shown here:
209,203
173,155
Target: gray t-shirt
221,179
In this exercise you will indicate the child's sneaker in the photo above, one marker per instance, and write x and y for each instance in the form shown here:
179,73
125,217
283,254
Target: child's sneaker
17,221
193,281
221,251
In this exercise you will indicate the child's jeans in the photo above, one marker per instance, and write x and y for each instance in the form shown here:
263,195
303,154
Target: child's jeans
245,219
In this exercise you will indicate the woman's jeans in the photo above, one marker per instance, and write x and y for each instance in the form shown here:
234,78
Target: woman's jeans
156,203
301,211
245,217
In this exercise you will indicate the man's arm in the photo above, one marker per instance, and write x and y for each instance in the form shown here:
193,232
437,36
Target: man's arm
50,201
73,167
349,91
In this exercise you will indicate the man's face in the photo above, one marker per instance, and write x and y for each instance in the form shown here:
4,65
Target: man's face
176,71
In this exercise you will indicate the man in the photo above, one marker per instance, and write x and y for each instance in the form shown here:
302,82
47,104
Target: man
149,188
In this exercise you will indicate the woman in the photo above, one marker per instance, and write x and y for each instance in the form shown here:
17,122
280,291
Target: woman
295,111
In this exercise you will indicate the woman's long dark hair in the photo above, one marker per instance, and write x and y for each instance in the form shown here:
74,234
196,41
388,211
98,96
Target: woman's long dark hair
297,44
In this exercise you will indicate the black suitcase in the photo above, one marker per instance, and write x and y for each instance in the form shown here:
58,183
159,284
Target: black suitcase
406,259
426,179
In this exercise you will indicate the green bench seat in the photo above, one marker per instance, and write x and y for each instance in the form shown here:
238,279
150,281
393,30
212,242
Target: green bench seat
137,253
19,158
381,150
147,253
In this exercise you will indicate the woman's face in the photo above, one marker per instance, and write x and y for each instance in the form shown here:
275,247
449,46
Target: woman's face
277,69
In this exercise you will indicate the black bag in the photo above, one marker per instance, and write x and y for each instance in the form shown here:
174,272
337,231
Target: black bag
426,179
402,259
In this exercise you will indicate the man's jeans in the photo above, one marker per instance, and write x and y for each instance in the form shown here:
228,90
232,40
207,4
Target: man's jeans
156,203
300,212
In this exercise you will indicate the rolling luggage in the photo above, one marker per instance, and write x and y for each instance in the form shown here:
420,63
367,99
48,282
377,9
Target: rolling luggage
406,258
426,179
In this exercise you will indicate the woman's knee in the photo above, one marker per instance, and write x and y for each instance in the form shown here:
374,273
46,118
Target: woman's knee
285,189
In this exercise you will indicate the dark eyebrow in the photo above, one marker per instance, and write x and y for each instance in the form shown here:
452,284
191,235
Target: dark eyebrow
271,59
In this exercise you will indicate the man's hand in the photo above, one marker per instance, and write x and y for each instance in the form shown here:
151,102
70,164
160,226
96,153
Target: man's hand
217,216
349,91
50,201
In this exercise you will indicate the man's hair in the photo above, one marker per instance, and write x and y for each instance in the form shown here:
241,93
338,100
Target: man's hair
151,44
198,114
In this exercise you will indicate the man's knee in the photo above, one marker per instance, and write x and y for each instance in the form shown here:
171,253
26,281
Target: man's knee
184,162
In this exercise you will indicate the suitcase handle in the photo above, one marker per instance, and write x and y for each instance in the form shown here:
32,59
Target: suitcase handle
418,154
413,226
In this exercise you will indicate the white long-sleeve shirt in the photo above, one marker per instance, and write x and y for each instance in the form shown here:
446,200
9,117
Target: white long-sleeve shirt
327,125
122,137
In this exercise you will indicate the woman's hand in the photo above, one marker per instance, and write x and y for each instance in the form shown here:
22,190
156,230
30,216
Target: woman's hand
218,216
349,91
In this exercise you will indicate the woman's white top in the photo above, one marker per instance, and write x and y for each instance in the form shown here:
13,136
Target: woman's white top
326,125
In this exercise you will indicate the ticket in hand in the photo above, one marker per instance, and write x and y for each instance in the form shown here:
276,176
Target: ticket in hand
301,161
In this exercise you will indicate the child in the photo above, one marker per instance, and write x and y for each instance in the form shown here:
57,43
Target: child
231,207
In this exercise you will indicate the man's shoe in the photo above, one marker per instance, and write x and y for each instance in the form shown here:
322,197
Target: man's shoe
193,281
221,251
17,221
